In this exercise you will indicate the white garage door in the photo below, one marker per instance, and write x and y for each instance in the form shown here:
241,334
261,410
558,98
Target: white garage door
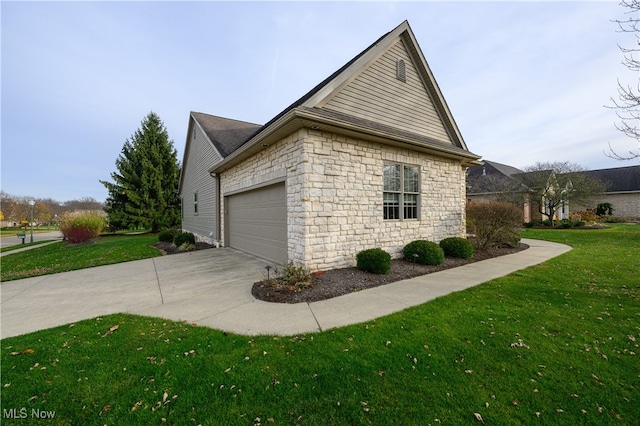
256,222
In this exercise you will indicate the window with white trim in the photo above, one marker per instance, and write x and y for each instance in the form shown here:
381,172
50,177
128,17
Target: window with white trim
401,196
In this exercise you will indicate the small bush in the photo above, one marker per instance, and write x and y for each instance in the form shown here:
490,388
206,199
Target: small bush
604,209
79,227
167,236
457,247
187,247
588,216
423,252
495,224
566,224
295,277
530,224
184,237
374,260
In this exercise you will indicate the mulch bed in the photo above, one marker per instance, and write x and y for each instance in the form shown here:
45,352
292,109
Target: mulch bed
338,282
169,248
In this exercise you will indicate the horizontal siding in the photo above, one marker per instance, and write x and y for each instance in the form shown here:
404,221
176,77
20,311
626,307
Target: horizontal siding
376,94
201,157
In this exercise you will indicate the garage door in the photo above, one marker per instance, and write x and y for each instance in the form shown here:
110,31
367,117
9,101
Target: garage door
256,222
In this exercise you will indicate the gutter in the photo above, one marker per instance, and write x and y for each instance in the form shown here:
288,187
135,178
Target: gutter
306,118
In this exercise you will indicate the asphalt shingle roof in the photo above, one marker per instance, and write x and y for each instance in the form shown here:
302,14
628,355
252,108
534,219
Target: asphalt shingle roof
226,134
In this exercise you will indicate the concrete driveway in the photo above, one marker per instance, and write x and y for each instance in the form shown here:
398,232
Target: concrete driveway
213,288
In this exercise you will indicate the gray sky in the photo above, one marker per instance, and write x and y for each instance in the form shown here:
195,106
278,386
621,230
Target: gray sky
525,81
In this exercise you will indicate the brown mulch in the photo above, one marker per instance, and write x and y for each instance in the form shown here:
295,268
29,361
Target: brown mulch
338,282
169,248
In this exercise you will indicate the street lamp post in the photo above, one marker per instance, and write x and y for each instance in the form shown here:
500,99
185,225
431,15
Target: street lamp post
31,204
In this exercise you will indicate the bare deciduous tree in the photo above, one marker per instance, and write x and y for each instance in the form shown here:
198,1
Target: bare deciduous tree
552,185
628,104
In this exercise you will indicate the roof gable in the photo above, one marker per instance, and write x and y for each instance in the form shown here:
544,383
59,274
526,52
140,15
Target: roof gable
423,120
224,133
369,88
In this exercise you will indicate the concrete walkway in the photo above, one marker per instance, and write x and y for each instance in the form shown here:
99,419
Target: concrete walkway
213,288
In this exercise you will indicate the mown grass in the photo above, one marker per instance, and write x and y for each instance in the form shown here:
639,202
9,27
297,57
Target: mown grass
20,246
553,344
62,256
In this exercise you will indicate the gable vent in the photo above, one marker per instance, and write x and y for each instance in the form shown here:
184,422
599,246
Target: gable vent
401,70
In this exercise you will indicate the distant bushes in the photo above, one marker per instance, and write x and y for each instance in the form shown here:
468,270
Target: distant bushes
495,224
79,227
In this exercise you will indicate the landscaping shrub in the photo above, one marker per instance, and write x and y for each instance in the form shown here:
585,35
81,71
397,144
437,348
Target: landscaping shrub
423,252
184,237
604,209
374,260
187,247
495,224
296,277
167,235
588,216
457,247
566,223
79,227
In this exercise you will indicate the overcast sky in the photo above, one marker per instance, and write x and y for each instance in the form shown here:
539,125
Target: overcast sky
525,81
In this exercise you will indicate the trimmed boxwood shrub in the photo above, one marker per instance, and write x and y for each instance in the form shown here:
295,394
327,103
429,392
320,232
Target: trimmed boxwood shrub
167,235
374,260
457,247
184,237
423,252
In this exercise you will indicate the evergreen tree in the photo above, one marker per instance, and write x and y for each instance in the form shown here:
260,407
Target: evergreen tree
144,193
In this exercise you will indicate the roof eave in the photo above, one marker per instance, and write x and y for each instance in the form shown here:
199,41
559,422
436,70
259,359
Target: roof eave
296,119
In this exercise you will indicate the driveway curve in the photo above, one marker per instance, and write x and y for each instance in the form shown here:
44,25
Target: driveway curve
213,288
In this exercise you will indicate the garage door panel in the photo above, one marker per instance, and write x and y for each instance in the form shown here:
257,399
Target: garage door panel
257,222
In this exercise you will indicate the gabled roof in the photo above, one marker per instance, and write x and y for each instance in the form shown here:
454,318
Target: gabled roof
225,134
491,168
312,109
621,179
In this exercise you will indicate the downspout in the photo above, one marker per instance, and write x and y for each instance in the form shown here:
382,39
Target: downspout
216,183
216,178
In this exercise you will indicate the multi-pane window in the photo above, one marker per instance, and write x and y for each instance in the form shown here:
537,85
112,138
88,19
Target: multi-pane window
401,191
195,203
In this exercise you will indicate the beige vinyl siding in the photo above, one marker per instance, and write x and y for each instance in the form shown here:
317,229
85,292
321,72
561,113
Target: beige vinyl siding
196,179
376,94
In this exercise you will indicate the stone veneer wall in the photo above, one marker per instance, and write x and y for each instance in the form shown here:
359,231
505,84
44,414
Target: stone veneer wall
334,190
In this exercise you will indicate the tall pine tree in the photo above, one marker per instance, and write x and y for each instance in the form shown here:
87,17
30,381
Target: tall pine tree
144,193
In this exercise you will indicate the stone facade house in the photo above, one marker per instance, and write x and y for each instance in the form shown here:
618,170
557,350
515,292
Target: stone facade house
370,157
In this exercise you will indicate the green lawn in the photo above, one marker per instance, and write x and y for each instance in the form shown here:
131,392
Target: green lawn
61,256
554,344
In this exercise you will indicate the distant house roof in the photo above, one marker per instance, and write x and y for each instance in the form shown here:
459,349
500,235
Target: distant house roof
226,134
493,168
621,179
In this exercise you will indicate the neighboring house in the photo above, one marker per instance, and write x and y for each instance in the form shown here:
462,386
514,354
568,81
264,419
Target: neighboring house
623,190
492,181
370,157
